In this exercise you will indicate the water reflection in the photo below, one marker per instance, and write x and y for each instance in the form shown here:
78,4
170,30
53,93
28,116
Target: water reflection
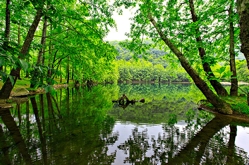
81,126
15,134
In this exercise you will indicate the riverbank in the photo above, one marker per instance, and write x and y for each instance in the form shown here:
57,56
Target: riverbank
239,103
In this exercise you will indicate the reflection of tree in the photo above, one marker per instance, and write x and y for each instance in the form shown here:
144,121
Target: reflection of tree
84,130
4,148
27,122
170,92
154,112
231,145
9,122
198,142
57,135
39,126
208,146
83,133
136,146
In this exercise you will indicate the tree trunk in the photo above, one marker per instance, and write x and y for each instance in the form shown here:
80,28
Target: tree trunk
68,71
234,80
60,74
243,10
39,79
220,105
7,25
7,29
51,66
43,42
50,47
8,85
72,73
221,91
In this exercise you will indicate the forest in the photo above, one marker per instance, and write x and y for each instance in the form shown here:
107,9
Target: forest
50,42
156,67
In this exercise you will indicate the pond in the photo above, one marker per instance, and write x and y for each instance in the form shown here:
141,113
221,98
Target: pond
83,126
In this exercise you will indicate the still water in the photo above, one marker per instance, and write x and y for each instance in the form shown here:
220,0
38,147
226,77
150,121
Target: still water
83,126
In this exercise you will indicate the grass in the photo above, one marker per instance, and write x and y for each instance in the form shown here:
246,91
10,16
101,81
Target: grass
241,108
238,104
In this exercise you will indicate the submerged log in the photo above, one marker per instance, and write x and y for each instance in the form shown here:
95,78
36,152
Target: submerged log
125,100
142,100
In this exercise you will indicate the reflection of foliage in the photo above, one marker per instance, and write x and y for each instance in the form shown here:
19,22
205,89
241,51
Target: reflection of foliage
78,129
172,119
220,151
106,134
169,92
75,127
177,145
153,112
160,101
136,146
190,114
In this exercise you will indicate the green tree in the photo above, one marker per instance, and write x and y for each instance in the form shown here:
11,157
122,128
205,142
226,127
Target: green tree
202,52
157,72
70,43
162,22
15,72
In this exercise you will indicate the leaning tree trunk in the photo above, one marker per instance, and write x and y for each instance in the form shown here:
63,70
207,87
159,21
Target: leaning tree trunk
243,10
15,72
234,80
220,105
221,91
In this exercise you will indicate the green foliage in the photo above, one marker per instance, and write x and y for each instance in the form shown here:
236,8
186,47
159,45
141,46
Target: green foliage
173,19
74,44
24,65
239,104
242,71
143,70
172,119
190,114
205,115
49,89
241,108
73,120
